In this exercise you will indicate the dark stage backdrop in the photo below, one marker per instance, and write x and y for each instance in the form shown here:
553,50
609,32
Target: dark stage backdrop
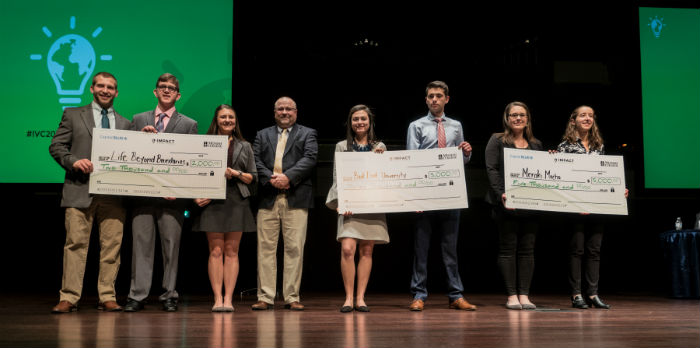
331,56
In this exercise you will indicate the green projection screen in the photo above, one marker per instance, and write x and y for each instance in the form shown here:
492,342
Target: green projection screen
51,50
670,62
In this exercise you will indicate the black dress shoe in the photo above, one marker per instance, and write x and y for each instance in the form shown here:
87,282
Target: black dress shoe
345,309
133,306
170,305
597,302
578,302
362,309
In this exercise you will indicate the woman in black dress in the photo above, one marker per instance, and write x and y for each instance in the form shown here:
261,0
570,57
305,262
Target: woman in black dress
224,221
516,229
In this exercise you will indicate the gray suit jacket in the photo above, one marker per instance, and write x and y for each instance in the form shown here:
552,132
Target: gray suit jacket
297,164
72,142
179,123
243,160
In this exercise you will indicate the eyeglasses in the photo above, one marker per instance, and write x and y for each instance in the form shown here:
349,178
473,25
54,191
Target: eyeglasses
285,108
163,88
517,115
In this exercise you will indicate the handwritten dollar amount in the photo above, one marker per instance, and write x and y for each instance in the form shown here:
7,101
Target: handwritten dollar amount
443,174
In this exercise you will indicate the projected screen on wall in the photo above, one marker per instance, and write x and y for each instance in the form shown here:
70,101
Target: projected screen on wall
670,62
51,50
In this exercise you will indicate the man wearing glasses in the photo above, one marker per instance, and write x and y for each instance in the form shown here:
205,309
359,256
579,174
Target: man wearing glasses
435,130
285,156
166,212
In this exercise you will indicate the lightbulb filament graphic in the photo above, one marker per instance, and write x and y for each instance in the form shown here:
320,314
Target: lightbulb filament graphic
656,24
71,60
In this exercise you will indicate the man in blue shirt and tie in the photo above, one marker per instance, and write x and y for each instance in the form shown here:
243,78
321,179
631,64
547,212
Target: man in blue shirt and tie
436,130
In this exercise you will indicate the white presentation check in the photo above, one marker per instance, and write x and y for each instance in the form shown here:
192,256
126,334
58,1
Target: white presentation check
564,182
158,165
400,181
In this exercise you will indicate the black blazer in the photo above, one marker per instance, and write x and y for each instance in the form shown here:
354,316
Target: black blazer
297,164
494,166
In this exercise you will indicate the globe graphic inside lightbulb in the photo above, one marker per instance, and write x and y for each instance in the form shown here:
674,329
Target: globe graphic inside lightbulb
71,61
656,26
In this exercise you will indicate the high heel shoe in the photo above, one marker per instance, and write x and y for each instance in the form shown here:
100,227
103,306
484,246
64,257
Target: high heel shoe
596,302
578,302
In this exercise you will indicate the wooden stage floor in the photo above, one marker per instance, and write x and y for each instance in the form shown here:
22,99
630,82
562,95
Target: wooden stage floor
634,321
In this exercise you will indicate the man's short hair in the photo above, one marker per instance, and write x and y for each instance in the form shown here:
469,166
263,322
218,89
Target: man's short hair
168,77
438,84
105,75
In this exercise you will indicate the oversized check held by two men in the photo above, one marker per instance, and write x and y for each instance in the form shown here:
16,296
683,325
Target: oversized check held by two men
564,182
400,181
133,163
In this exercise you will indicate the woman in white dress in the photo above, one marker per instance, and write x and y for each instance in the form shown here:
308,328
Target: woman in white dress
361,231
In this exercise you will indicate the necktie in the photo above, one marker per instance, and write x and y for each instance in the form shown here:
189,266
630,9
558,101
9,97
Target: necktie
279,152
159,124
442,141
105,120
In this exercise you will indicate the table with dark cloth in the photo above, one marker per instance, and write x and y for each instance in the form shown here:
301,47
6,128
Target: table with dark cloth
681,250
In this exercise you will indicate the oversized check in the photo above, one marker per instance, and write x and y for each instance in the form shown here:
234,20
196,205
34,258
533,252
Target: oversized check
398,181
564,182
158,165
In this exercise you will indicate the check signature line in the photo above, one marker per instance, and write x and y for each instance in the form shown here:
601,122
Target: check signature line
427,166
590,171
603,203
193,187
190,153
432,198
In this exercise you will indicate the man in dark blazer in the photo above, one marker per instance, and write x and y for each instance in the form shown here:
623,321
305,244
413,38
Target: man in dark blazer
285,156
166,213
71,147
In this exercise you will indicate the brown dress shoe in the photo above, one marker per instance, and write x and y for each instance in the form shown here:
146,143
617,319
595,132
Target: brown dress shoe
64,307
109,306
261,306
462,304
295,306
416,305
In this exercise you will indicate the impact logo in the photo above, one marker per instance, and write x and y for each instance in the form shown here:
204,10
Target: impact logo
656,25
213,144
162,141
447,156
70,61
568,160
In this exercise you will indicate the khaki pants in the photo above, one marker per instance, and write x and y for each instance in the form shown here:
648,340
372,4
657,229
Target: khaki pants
293,225
109,214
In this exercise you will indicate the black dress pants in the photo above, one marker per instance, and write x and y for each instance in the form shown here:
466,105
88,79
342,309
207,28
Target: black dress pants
516,248
584,255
